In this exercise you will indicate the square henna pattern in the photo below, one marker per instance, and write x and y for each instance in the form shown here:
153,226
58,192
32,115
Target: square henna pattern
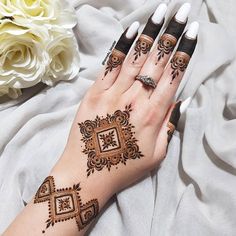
109,140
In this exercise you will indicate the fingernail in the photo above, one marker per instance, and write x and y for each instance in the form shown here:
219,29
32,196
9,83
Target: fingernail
159,14
132,30
184,105
193,30
182,13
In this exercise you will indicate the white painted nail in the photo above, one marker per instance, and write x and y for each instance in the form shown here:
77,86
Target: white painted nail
184,105
192,30
182,13
132,30
159,14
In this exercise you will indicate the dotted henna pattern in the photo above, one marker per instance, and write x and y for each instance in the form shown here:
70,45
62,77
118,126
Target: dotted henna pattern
65,204
109,141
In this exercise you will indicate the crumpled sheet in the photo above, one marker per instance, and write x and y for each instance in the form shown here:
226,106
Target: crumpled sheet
193,192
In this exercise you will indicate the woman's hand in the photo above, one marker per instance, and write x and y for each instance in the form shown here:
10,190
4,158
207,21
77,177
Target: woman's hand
123,125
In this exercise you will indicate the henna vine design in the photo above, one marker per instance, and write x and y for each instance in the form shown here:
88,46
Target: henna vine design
179,63
109,141
65,204
166,45
142,46
115,59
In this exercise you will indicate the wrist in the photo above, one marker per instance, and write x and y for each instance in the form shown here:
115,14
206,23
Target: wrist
71,169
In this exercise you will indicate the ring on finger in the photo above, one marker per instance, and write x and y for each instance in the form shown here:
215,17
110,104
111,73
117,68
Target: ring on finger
146,80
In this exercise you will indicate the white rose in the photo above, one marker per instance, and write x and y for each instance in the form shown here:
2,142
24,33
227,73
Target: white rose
23,60
42,11
11,92
64,56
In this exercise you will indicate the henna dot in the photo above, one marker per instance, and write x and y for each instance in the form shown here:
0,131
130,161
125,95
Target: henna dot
43,231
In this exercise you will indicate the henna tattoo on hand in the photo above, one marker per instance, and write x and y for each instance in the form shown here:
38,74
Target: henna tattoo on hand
145,42
180,60
142,46
65,204
173,122
109,141
115,59
165,46
169,39
179,63
119,52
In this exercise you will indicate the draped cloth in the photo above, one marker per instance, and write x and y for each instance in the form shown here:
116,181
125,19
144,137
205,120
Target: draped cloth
193,191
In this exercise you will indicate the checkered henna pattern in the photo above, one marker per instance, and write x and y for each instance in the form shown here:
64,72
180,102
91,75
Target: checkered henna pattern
65,204
109,140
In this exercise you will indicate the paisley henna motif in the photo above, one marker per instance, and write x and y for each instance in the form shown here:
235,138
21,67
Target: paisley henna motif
111,142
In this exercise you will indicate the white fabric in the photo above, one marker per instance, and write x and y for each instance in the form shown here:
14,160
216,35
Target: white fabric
193,192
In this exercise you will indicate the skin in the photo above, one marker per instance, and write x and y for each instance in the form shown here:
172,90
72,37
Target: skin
150,114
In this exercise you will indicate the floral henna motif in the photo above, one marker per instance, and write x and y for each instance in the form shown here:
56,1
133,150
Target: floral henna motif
66,204
115,59
178,64
142,46
109,141
166,45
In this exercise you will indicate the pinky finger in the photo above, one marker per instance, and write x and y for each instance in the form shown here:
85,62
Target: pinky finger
168,128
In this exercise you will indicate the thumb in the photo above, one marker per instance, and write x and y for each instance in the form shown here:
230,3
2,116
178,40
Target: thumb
168,128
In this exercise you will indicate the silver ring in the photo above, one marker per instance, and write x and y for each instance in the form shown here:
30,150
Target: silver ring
146,80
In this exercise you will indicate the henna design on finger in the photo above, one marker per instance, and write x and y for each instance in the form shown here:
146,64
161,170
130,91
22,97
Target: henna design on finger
173,122
65,204
180,60
166,45
179,63
145,41
115,59
142,46
169,39
109,141
119,52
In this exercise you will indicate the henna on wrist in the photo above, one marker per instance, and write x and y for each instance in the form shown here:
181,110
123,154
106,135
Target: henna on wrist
66,204
109,140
